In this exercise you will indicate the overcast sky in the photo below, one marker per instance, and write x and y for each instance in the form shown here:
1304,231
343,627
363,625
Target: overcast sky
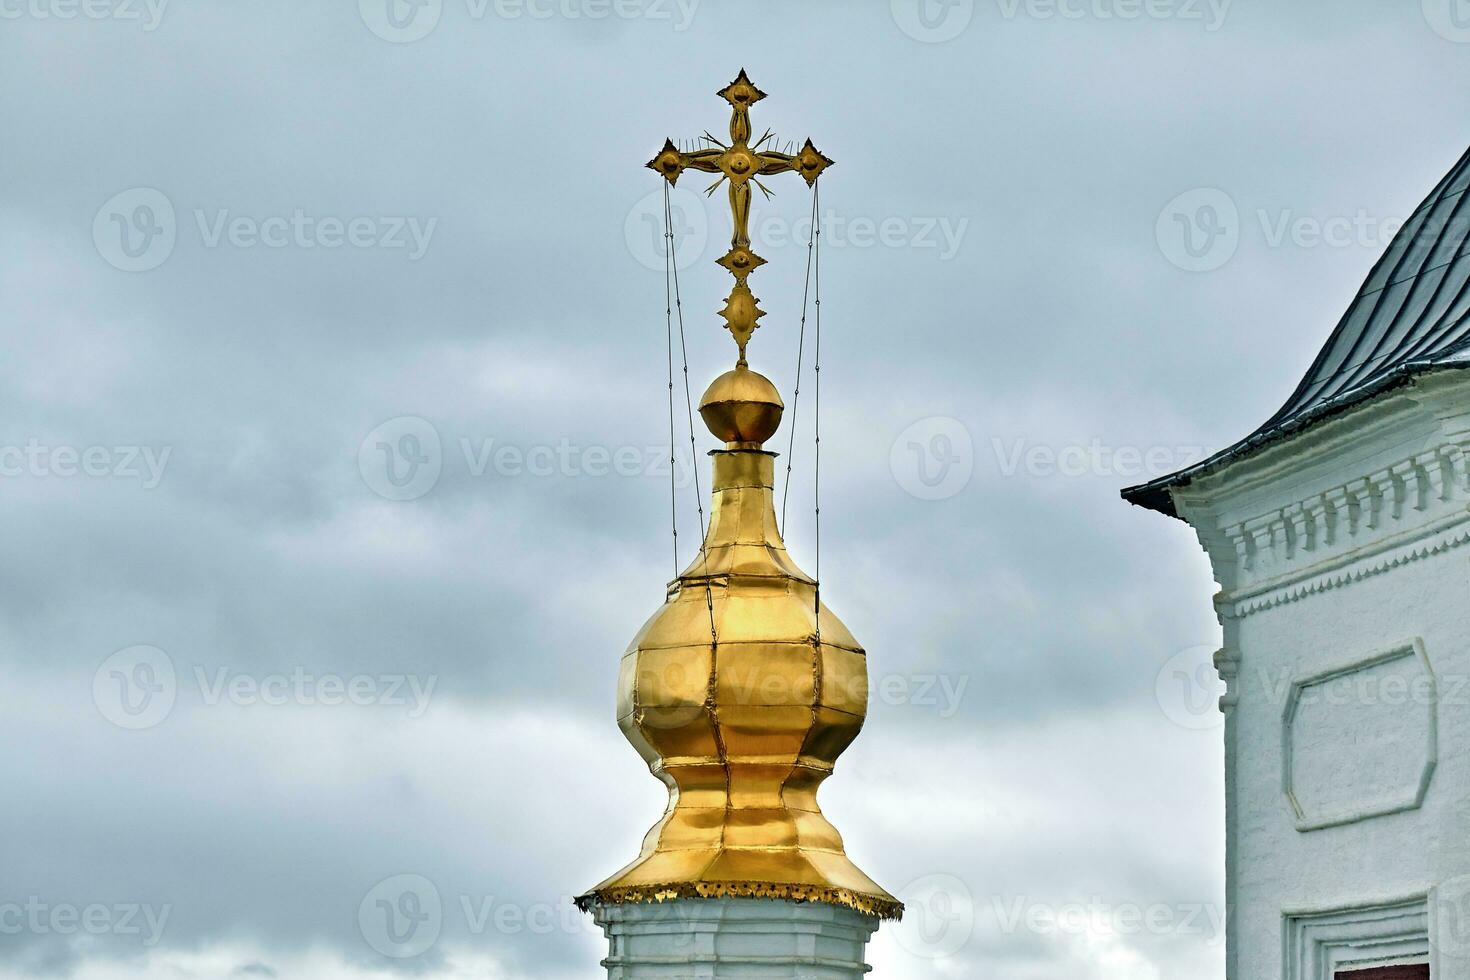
332,408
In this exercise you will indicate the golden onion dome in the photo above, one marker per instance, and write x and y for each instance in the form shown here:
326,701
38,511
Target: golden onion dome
740,693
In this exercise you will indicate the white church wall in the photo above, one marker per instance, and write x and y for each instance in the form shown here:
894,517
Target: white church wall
1344,560
1361,796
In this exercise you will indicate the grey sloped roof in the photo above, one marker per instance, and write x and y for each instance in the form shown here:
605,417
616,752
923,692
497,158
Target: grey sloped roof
1412,315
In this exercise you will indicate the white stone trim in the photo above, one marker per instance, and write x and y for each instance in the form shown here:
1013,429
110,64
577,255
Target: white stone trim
1385,482
1319,943
1412,648
1349,524
1410,548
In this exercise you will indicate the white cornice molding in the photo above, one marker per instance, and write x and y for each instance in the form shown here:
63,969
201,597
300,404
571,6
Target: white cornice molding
1332,574
1385,483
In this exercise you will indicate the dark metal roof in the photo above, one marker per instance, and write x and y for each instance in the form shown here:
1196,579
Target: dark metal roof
1411,316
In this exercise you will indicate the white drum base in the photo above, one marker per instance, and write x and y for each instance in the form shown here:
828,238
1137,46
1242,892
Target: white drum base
735,939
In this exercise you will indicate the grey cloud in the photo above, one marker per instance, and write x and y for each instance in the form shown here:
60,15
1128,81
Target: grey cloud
1056,322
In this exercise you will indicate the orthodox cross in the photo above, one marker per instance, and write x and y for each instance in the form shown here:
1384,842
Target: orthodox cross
741,163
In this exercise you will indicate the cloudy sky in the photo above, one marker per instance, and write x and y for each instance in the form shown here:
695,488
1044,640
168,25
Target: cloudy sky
253,254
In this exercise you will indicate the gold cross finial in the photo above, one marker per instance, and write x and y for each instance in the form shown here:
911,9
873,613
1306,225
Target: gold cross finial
741,163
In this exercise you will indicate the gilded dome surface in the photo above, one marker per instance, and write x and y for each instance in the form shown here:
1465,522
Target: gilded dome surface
740,695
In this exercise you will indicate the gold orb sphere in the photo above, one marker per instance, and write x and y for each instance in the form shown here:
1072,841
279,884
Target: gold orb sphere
742,407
